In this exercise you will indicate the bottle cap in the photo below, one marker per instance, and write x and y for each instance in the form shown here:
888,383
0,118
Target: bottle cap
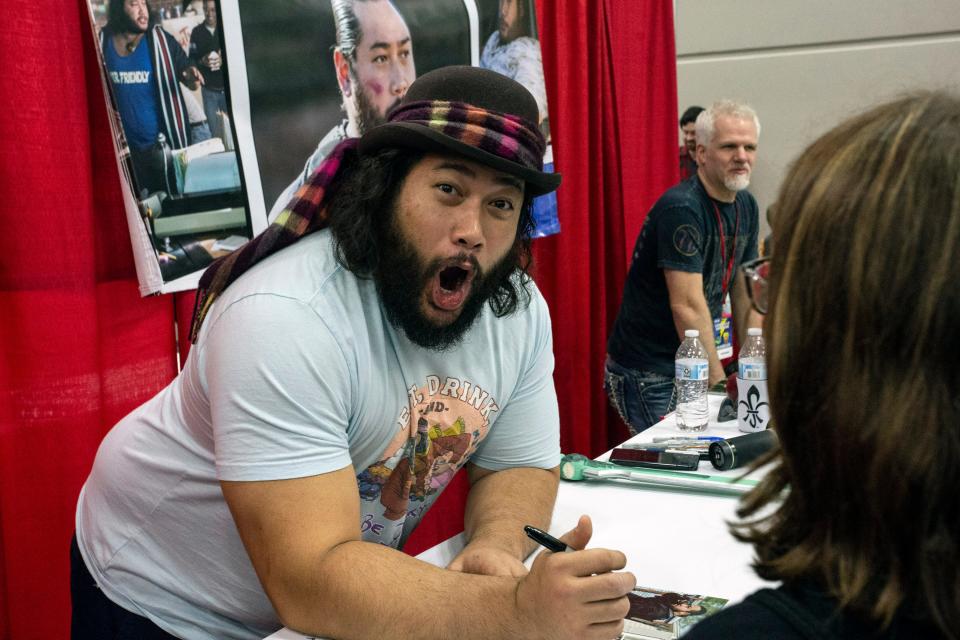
754,331
692,333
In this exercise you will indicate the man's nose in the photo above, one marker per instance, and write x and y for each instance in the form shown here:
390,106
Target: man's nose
399,81
467,228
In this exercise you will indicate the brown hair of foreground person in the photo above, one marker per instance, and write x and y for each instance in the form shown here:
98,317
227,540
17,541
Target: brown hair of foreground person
863,336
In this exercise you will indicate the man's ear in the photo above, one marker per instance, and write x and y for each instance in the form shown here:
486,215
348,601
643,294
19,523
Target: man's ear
342,67
701,153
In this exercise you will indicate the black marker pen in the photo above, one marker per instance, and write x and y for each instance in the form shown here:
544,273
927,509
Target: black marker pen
545,540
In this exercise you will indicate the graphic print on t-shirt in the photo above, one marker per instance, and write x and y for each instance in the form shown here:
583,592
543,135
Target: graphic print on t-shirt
437,430
686,240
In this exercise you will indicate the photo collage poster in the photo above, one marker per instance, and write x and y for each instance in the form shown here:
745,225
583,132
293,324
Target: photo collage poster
220,110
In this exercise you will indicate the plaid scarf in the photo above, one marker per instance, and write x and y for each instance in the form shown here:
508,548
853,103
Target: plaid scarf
504,135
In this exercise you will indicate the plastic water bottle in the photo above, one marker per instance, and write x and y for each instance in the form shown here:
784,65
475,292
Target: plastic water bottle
753,412
691,378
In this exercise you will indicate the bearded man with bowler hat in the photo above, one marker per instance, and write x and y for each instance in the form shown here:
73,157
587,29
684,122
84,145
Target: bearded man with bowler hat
382,333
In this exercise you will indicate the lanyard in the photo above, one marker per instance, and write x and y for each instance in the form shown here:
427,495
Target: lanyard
723,243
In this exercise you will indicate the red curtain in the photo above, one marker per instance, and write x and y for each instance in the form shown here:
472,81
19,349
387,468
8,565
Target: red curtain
81,348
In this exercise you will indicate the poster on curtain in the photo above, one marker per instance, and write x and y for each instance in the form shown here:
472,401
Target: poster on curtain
220,111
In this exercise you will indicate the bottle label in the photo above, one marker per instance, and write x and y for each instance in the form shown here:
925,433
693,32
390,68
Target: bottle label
753,412
692,370
752,370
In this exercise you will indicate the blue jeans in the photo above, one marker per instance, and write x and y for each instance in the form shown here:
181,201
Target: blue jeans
641,398
199,131
214,101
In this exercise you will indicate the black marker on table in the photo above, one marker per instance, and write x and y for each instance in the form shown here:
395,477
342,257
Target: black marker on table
545,540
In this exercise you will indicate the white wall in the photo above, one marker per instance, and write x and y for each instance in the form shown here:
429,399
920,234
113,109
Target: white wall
806,64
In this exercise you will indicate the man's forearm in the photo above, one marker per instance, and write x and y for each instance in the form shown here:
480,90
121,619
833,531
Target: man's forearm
493,519
502,502
323,581
359,589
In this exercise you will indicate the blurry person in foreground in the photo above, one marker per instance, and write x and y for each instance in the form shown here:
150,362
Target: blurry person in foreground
858,517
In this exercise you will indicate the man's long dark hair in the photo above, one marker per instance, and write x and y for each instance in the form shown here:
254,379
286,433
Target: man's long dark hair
360,213
119,22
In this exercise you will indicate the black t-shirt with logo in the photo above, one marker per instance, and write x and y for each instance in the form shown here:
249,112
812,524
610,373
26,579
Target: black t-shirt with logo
680,233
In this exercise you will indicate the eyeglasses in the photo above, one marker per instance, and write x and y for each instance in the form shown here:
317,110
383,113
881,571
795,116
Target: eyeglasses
755,275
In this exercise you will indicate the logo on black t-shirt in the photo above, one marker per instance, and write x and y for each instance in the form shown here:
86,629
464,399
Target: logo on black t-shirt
686,239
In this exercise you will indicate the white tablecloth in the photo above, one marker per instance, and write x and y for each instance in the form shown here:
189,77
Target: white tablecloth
673,539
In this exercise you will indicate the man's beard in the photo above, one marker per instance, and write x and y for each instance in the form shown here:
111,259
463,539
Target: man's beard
402,277
368,116
737,182
129,25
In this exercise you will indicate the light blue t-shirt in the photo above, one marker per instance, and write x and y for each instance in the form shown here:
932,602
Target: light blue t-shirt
297,372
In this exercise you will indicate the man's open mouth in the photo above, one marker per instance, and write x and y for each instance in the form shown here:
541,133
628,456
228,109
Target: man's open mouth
451,285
